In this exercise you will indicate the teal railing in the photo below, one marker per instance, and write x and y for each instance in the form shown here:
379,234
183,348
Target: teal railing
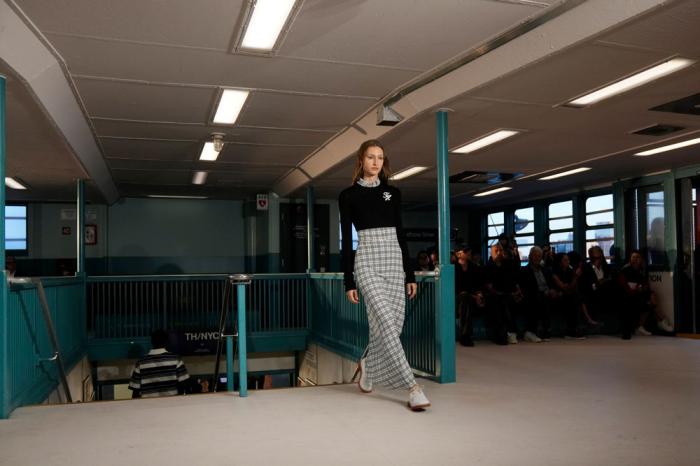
283,310
29,377
133,306
342,326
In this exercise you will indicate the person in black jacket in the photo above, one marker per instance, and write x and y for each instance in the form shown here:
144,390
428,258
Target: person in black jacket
539,296
502,295
469,295
597,286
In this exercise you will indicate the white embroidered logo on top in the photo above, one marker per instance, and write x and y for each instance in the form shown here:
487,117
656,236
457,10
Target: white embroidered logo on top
387,196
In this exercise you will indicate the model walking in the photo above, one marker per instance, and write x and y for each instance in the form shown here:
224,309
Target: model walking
382,271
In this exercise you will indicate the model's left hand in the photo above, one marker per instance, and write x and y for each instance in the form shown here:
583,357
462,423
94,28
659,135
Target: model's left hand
411,290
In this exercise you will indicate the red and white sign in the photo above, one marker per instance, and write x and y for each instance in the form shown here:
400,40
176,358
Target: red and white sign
262,202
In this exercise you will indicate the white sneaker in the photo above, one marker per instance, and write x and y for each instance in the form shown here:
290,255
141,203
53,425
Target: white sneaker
532,338
417,400
512,338
364,384
665,325
642,331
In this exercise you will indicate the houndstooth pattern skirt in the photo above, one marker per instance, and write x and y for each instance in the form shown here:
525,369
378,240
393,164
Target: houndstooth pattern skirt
380,278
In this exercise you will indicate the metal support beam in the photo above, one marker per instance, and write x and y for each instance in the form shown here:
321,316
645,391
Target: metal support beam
4,366
310,232
445,281
80,228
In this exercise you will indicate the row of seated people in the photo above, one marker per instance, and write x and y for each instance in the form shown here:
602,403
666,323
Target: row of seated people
540,290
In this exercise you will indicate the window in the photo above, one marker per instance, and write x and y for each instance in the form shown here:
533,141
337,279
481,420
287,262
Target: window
495,225
600,230
561,226
524,228
16,228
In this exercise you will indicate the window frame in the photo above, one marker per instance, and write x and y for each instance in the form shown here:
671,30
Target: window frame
18,252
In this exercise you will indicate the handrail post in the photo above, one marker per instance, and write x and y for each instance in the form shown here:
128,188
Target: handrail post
445,281
241,281
4,365
310,232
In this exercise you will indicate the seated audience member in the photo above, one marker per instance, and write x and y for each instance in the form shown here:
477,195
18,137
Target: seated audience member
477,259
10,267
548,257
565,280
424,264
596,285
469,296
502,294
539,296
434,259
159,373
638,299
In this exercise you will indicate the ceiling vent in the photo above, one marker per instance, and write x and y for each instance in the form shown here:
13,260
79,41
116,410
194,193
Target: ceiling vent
687,106
658,130
484,178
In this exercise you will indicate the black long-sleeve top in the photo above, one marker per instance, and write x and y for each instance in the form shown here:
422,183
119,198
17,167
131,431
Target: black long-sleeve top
370,207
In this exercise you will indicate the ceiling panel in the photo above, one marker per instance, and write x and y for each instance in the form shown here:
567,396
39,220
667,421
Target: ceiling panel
673,30
151,149
144,102
310,138
348,31
164,64
242,153
297,111
568,75
176,22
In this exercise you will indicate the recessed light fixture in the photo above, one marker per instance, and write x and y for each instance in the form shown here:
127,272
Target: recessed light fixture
678,145
208,152
230,104
484,141
266,23
493,191
566,173
406,172
636,80
168,196
199,177
13,183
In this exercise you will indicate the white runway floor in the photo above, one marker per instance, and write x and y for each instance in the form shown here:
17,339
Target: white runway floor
601,401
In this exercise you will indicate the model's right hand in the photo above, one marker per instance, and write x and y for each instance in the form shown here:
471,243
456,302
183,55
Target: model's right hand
352,296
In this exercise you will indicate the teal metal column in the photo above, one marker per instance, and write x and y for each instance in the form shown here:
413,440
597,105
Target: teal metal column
242,336
310,232
619,218
446,280
80,227
4,366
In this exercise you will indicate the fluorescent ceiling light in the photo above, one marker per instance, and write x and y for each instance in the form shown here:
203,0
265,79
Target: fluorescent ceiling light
168,196
406,172
493,191
266,23
566,173
13,183
199,177
636,80
677,145
230,105
485,141
208,152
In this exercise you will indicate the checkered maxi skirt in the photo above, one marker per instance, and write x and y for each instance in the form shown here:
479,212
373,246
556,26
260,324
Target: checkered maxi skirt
380,278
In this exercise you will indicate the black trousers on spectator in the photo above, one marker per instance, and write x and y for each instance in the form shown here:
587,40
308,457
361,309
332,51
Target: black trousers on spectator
631,309
538,310
499,316
466,307
569,305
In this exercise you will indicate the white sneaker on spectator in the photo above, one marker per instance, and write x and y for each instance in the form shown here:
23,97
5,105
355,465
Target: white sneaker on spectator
642,331
665,325
417,400
532,338
512,338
